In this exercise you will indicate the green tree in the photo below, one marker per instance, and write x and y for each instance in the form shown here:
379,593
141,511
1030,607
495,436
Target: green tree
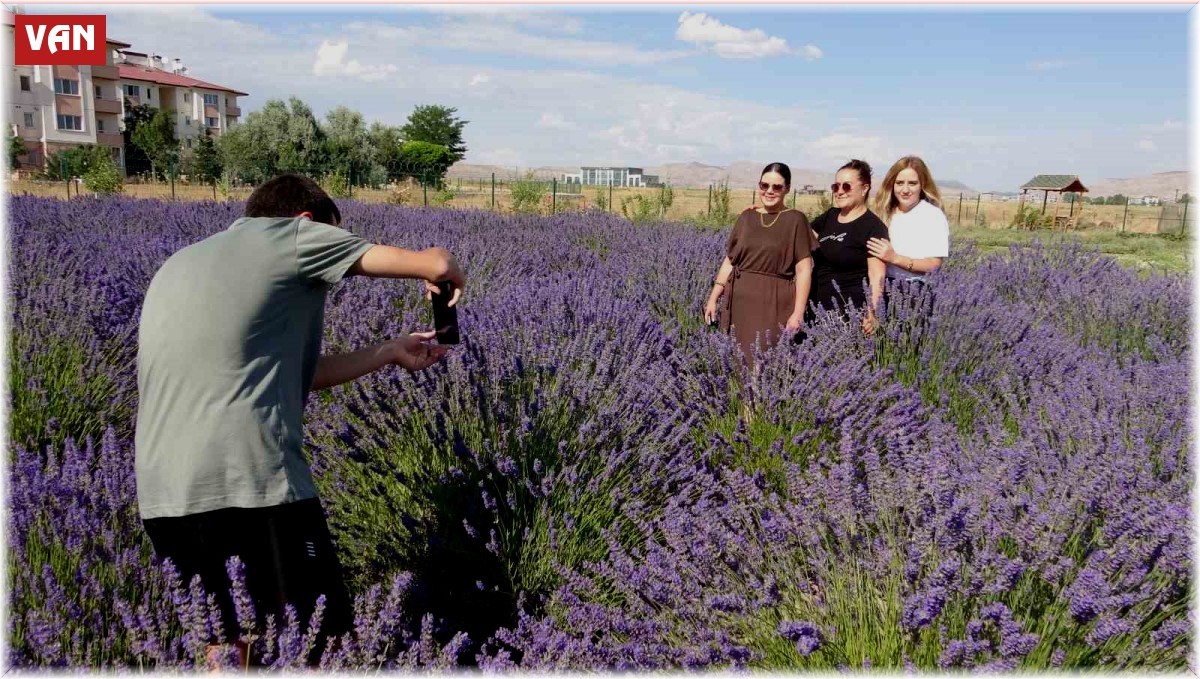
347,145
437,125
156,139
69,163
206,160
425,162
280,137
102,175
16,149
136,161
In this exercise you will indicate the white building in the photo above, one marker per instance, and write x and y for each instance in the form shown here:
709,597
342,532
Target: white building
54,108
195,105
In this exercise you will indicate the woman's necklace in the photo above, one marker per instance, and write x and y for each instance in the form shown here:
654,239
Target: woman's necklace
762,219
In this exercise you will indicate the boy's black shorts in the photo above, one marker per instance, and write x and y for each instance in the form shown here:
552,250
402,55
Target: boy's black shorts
288,554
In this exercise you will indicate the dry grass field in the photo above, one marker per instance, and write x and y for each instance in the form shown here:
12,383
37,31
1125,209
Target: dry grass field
687,202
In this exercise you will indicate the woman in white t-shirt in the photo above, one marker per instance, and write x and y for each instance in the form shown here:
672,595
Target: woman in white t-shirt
918,232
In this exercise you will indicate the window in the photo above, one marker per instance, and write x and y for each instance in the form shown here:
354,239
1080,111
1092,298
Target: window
64,86
187,97
28,120
189,142
149,92
133,90
69,122
24,83
187,120
99,126
99,92
210,122
210,100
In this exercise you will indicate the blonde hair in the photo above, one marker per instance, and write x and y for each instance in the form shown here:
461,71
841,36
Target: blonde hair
886,202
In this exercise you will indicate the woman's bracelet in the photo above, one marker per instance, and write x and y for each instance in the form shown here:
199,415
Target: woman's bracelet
911,263
719,283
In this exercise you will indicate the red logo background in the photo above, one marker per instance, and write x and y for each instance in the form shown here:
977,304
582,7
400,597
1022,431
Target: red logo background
44,24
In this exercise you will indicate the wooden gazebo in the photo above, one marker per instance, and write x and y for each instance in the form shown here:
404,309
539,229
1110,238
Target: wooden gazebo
1056,183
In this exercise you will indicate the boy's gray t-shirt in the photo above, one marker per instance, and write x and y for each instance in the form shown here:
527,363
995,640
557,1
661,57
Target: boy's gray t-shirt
228,343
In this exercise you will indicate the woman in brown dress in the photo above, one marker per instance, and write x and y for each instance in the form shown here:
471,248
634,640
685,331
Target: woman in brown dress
767,274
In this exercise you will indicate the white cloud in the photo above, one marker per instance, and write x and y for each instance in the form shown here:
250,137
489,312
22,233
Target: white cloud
812,53
730,42
554,121
331,61
1146,145
498,37
635,115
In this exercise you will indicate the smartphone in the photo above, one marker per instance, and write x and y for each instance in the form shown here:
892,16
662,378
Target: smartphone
445,317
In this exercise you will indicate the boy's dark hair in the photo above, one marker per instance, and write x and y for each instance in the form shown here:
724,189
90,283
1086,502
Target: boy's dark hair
287,195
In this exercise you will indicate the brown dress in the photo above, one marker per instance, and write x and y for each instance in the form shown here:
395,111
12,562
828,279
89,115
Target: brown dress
761,293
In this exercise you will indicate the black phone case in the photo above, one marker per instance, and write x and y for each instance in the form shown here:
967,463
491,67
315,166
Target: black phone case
445,318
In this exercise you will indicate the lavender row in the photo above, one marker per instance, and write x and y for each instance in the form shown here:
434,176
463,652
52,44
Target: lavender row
998,480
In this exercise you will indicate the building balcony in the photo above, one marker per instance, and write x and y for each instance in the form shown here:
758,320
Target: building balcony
106,72
107,106
114,140
233,111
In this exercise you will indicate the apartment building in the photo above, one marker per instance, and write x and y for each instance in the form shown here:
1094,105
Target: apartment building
196,107
53,108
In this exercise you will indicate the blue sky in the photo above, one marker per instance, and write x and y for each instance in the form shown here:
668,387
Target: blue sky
988,95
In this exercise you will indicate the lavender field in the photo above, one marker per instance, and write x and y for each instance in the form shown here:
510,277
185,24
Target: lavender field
999,480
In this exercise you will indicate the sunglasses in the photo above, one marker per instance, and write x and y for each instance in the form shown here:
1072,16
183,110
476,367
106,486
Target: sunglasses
777,188
845,187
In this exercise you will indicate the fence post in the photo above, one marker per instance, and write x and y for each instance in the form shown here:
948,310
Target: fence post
493,190
553,195
350,182
425,188
62,172
977,199
958,221
709,211
1183,222
1125,215
793,199
610,203
214,190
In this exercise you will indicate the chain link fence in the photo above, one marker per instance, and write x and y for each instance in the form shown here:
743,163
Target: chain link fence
525,192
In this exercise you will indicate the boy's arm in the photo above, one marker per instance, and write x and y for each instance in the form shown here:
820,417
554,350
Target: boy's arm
433,265
413,353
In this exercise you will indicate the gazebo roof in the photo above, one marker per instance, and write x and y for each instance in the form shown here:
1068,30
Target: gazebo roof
1056,182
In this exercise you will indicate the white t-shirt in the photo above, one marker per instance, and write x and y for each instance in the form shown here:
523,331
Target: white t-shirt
921,232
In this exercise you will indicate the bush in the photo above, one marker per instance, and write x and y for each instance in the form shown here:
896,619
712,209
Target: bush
441,198
103,176
336,184
1030,217
602,199
527,194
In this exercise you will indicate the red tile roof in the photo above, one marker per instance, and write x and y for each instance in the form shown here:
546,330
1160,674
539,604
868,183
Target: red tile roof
132,72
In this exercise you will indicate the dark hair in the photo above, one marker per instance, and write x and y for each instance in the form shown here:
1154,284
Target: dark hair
782,169
287,195
863,170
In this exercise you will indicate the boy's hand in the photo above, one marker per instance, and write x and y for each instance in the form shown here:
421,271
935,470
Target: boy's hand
415,352
453,274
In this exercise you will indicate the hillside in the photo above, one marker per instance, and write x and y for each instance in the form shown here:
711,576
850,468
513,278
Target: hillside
1161,184
742,174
